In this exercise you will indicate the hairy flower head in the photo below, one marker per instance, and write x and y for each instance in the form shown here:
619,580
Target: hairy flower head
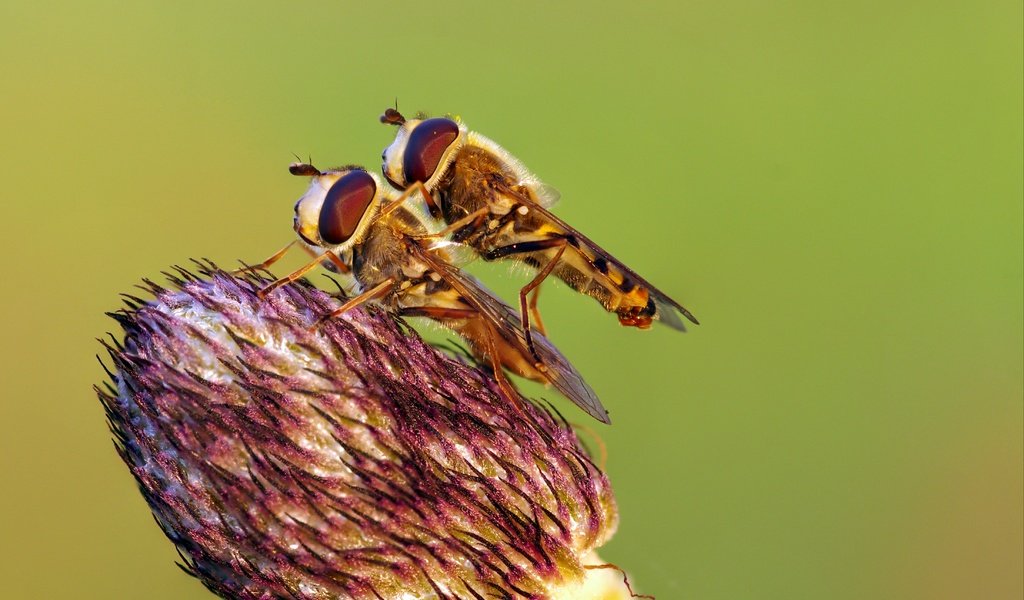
356,461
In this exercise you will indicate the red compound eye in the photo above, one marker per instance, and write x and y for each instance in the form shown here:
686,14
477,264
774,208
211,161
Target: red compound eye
427,144
344,206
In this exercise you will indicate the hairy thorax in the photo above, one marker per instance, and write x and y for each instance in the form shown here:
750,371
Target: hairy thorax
384,252
473,182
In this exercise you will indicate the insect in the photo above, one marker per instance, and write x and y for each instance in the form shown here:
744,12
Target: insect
494,205
366,229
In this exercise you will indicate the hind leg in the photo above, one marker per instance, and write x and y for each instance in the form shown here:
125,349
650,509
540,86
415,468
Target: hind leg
527,307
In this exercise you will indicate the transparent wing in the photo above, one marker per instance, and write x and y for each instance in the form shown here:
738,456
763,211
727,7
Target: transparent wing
547,196
454,253
556,368
667,307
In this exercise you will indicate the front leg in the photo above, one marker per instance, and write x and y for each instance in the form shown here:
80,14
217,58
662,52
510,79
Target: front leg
474,218
376,291
435,210
266,263
293,276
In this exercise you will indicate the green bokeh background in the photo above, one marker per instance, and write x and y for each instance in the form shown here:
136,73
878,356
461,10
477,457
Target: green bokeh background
835,189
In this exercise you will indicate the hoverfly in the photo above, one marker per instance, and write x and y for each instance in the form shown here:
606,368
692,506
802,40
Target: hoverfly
494,205
365,229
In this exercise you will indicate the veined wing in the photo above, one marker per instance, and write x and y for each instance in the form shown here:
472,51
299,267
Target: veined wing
454,253
547,196
556,368
603,263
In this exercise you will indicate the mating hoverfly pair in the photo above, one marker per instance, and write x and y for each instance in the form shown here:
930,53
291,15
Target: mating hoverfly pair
493,206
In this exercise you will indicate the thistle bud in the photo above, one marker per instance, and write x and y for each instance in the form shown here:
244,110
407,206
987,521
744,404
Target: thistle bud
356,461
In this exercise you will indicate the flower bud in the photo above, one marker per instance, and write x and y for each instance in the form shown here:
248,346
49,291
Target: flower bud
356,461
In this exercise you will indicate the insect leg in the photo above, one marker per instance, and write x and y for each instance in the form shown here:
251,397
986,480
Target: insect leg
524,248
436,312
490,335
534,286
407,194
293,276
534,313
334,258
375,292
337,262
504,384
457,225
263,265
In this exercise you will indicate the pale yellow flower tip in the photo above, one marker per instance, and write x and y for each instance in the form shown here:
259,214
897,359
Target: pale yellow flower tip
607,583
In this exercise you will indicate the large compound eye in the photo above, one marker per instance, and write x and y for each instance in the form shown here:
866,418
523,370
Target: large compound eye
344,206
427,144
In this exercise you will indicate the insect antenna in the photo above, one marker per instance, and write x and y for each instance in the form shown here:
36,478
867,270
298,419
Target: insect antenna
391,116
303,169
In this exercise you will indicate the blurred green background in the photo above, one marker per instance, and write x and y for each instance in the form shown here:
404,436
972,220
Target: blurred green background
835,189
